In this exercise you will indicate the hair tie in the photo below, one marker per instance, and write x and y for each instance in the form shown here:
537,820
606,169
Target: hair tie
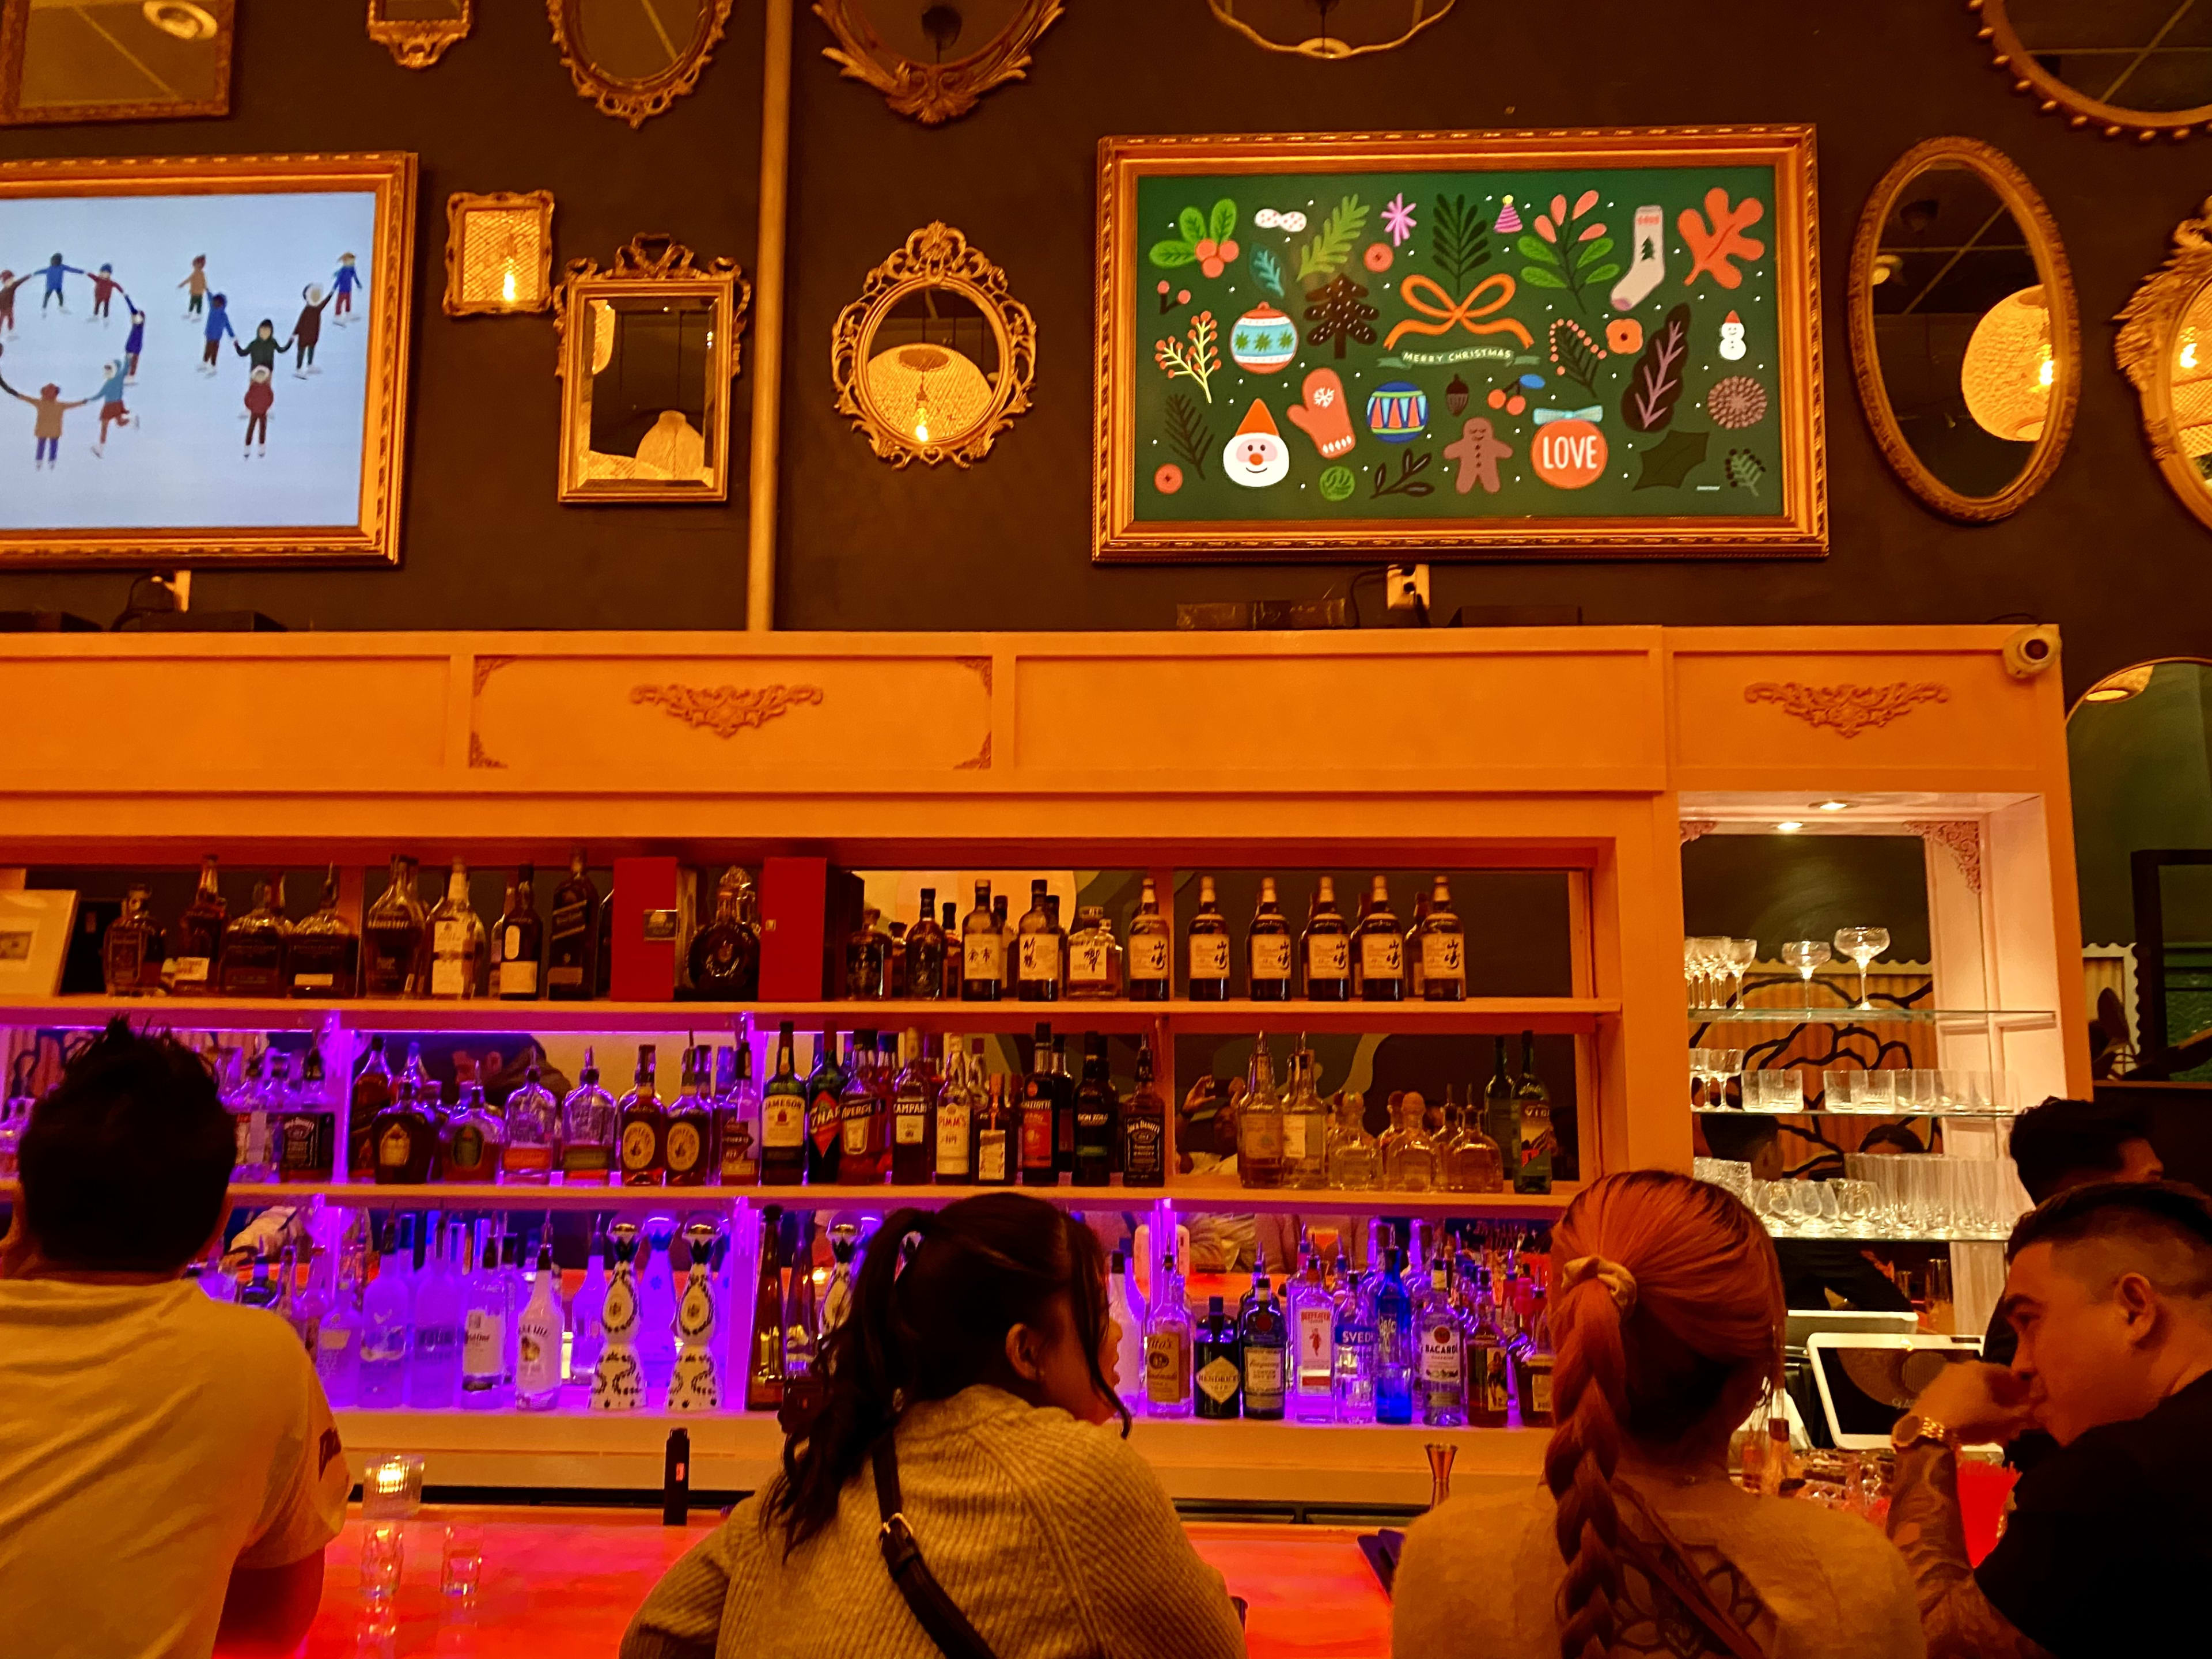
1619,1283
911,1240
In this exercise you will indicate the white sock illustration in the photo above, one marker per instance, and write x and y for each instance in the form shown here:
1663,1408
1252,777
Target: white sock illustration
1647,261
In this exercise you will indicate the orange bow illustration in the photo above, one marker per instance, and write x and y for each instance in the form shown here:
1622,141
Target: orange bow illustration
1427,296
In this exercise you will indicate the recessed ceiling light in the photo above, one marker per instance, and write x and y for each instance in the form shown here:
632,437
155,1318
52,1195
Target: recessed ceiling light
1834,805
1789,826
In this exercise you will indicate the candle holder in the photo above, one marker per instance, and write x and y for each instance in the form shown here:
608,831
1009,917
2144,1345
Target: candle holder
392,1487
499,253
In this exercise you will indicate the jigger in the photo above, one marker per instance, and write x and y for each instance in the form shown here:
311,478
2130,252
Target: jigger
1440,1462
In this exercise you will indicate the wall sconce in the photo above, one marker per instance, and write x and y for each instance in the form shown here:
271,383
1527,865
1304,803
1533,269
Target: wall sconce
499,253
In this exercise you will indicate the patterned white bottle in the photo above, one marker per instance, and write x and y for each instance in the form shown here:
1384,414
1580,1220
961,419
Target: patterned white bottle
695,1385
618,1382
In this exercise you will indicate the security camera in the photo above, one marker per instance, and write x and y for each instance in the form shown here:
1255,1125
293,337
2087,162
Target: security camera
2032,650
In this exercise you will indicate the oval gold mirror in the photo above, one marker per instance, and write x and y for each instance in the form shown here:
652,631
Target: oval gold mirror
935,358
1330,28
632,58
1964,340
932,60
2139,68
2165,347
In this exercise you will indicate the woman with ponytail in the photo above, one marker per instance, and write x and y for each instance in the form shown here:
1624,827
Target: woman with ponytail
1667,1320
976,1364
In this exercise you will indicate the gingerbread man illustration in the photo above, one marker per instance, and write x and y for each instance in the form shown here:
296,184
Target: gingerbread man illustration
1478,452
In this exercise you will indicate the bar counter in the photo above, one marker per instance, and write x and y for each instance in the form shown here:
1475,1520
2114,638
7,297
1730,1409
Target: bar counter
562,1583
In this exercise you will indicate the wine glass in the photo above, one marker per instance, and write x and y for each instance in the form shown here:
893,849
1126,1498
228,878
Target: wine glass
1690,971
1863,945
1807,956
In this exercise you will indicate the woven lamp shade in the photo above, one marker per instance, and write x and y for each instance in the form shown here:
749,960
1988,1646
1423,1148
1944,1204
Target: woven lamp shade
927,393
2191,377
2008,370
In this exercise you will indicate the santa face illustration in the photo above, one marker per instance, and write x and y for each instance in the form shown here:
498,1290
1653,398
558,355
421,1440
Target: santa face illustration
1256,456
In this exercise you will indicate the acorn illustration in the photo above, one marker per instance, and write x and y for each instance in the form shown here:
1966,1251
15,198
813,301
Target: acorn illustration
1456,395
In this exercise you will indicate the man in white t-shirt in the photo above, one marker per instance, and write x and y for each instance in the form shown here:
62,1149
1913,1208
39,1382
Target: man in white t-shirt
169,1471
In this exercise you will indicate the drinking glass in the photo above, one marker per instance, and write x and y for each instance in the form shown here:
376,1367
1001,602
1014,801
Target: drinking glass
1916,1091
1770,1199
1840,1090
1700,1078
1724,1172
462,1568
1863,945
1806,956
1739,954
1878,1092
383,1552
1726,1063
1706,956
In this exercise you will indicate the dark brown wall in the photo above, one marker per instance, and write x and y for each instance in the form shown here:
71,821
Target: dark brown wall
2105,550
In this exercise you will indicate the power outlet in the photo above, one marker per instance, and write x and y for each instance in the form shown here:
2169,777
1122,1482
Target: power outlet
1407,585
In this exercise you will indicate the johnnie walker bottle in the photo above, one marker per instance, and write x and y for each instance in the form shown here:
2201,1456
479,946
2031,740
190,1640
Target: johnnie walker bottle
572,944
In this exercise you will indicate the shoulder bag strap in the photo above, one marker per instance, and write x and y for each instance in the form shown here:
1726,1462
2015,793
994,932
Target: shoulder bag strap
1669,1563
937,1613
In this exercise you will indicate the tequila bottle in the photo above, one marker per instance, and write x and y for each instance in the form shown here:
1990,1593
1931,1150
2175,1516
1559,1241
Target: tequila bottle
130,951
1260,1125
1094,960
982,950
737,1107
642,1131
589,1126
196,942
323,958
391,937
1441,943
1409,1157
925,951
688,1145
459,949
1267,948
518,942
1305,1125
1207,943
1473,1163
1151,950
1355,1162
1326,945
783,1118
725,955
1381,949
533,1131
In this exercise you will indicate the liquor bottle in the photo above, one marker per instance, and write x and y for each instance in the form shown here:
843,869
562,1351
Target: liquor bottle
954,1153
1096,1110
1217,1361
1498,1116
643,1126
486,1383
1168,1345
912,1098
996,1137
783,1118
606,941
764,1354
1441,944
586,1314
391,937
241,1096
949,924
1151,950
405,1133
1259,1125
803,1383
130,950
1126,1307
1409,1157
517,950
738,1114
725,955
533,1131
867,958
825,1120
1381,949
1326,947
473,1143
323,958
837,1295
1444,1355
1094,960
1040,1096
1532,1105
589,1128
1410,954
1207,941
537,1340
861,1119
618,1380
1489,1363
656,1302
384,1321
1037,945
253,948
696,1382
925,953
1009,946
688,1145
982,951
434,1352
1353,1367
1474,1162
1305,1125
306,1128
1143,1128
572,943
196,942
1394,1344
1532,1365
458,947
1267,948
371,1094
1264,1332
1313,1335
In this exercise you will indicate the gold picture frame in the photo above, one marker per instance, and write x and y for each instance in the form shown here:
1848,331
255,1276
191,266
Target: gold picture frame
933,93
156,49
1421,13
2019,198
513,233
2150,350
636,99
935,259
367,302
2010,56
416,43
682,308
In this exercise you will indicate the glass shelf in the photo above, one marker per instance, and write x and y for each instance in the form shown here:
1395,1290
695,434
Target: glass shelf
2024,1019
1882,1235
1891,1116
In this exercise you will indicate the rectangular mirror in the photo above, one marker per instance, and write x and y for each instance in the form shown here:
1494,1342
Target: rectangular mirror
113,60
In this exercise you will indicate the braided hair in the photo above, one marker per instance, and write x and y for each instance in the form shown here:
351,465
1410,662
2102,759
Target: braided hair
1708,1304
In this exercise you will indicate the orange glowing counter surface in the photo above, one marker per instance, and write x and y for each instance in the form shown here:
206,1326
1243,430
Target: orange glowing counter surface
556,1583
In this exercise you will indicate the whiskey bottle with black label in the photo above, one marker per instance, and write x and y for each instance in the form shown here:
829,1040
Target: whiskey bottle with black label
324,958
572,944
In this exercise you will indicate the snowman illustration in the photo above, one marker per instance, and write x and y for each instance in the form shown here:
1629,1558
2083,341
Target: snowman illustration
695,1385
617,1383
1256,456
1732,345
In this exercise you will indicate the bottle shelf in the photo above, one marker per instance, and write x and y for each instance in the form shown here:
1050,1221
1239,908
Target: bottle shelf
1887,1114
2010,1019
1217,1196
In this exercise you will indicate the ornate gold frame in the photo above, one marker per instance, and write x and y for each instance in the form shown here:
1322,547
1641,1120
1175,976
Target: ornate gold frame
2144,350
936,256
657,266
2053,95
416,44
1997,170
636,101
375,537
458,206
933,92
14,20
1326,51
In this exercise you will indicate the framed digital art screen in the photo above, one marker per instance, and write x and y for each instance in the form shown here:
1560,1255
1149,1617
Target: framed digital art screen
1488,345
204,361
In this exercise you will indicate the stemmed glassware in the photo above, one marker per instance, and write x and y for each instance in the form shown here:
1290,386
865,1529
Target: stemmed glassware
1863,945
1738,955
1807,956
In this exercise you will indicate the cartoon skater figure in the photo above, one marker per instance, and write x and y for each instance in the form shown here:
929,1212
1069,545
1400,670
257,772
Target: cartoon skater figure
133,344
344,281
309,330
47,426
110,398
259,395
103,290
55,271
262,349
196,281
218,326
8,284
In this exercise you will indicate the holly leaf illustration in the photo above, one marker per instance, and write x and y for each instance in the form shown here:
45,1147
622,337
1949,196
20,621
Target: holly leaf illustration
1223,223
1192,223
1672,459
1171,253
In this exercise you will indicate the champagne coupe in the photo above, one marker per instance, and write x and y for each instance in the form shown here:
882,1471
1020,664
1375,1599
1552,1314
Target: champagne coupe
1740,954
1690,970
1863,945
1712,963
1807,956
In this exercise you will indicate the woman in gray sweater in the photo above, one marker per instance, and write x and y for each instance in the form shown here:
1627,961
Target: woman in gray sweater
979,1351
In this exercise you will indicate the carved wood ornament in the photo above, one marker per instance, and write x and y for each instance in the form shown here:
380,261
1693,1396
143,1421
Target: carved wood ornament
417,43
1847,710
726,710
2147,352
937,91
2010,56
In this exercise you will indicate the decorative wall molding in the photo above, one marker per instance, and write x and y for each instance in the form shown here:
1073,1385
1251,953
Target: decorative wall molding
726,710
479,760
1962,839
1697,828
1847,709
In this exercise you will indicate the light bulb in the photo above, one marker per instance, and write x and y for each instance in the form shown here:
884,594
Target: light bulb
506,286
920,427
1791,826
2189,354
2045,371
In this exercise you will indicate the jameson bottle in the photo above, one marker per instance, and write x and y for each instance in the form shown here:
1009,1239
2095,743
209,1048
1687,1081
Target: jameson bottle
1382,948
783,1118
572,943
1441,944
391,937
196,942
1151,960
1267,948
1145,1129
322,958
1208,944
925,951
1532,1100
982,950
1327,948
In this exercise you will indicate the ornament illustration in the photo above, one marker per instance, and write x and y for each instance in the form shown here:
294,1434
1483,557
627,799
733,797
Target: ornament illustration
1743,469
1322,416
1198,358
618,1381
1457,394
1732,345
1568,453
1398,219
1509,218
1397,411
695,1385
1647,260
1377,259
1566,254
1478,452
1624,335
1737,401
1337,484
1256,456
1263,341
1208,240
1714,244
1167,477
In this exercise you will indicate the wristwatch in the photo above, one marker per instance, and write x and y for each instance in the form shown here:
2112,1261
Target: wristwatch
1913,1429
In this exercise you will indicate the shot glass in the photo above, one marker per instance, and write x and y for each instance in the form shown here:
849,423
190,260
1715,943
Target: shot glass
461,1569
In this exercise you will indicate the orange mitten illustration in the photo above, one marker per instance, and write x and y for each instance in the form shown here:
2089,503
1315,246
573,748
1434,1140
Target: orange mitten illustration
1322,416
1478,452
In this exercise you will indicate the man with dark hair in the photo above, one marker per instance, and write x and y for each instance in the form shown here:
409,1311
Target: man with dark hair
2071,1143
169,1471
2110,1542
